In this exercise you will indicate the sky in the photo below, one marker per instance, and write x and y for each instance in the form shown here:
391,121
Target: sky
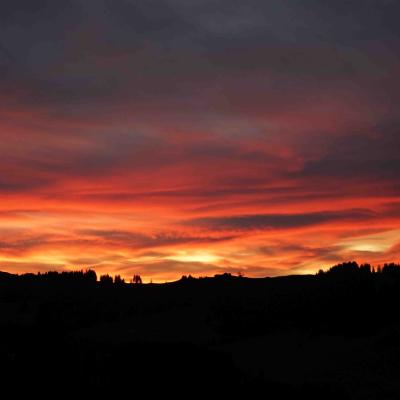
175,137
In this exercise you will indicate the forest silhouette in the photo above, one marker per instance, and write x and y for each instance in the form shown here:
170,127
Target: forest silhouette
335,334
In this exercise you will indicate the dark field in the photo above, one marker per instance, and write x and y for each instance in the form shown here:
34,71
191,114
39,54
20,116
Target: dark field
332,335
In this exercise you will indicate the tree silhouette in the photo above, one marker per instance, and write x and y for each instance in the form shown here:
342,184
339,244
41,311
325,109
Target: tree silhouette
137,280
90,275
118,280
106,279
392,269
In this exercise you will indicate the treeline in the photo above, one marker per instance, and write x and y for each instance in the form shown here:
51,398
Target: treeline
352,268
345,298
346,269
82,276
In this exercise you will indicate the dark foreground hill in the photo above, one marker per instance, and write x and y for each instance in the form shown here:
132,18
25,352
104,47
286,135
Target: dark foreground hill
334,335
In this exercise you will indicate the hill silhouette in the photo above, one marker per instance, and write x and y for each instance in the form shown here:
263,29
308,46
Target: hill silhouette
335,334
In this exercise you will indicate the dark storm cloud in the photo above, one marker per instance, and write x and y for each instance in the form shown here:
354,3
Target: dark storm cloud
20,12
353,168
10,186
279,221
208,24
352,19
98,154
374,155
159,49
36,29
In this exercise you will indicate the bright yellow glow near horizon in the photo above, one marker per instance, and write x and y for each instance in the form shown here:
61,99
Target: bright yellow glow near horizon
372,243
194,256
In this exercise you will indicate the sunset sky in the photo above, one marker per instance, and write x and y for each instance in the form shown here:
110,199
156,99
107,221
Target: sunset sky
171,137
